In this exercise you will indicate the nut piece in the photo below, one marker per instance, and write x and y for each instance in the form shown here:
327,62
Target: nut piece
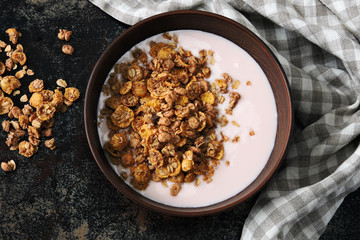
235,123
9,166
15,112
24,98
19,47
30,72
20,74
64,34
36,123
16,92
67,49
24,121
8,48
62,83
27,109
50,143
32,131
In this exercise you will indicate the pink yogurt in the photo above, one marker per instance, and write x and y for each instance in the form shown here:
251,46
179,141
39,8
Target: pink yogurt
256,111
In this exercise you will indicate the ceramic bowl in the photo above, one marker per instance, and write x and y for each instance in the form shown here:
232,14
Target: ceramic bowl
207,22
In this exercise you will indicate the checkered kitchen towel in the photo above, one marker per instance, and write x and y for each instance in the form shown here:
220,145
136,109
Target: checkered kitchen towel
317,43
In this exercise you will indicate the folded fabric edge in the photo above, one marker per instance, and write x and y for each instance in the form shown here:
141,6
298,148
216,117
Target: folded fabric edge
113,12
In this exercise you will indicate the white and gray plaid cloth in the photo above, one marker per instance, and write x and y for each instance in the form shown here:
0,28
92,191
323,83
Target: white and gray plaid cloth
318,44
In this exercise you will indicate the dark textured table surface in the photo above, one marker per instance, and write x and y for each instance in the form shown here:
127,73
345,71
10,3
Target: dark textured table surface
62,194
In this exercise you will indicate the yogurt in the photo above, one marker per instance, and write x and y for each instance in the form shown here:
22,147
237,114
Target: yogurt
255,119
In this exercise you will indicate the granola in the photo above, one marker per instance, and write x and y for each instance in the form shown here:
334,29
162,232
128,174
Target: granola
162,103
31,123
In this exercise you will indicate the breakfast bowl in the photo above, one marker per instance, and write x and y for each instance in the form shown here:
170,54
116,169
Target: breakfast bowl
253,141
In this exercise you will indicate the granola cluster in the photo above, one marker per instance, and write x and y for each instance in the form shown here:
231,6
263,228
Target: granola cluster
28,125
66,35
162,114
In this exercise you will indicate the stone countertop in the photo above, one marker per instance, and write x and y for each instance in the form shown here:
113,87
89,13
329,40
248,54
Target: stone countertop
62,194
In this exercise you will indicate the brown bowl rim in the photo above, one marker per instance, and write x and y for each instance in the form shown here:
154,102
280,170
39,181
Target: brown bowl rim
93,137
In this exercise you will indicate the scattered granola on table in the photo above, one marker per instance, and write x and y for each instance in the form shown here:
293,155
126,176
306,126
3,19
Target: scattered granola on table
28,125
66,35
